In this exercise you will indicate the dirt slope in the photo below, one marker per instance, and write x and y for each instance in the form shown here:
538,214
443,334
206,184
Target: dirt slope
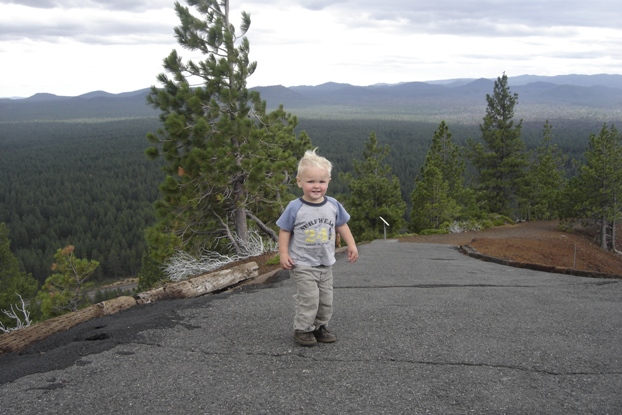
536,242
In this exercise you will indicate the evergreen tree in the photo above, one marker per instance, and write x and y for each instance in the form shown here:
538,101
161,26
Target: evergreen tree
432,205
113,264
374,192
227,159
500,158
544,181
150,274
439,185
598,188
13,282
445,155
64,291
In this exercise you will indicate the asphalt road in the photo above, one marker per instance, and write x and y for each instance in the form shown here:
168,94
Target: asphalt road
421,328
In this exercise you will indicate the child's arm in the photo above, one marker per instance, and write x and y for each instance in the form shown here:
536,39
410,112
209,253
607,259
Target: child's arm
286,261
353,252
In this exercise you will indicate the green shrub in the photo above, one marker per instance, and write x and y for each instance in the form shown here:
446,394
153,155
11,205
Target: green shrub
275,260
434,232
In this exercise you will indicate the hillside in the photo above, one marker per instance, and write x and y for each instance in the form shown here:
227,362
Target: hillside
598,97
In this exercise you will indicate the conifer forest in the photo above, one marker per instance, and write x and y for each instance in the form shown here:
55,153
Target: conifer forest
89,184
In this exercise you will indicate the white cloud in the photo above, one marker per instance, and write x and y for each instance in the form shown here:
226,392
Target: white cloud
70,47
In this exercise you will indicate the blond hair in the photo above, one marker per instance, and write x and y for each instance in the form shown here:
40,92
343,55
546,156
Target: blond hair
311,159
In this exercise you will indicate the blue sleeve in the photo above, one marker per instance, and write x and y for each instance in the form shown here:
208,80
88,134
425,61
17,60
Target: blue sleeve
288,217
342,215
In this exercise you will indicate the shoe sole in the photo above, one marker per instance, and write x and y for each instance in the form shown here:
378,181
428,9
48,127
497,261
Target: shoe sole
305,343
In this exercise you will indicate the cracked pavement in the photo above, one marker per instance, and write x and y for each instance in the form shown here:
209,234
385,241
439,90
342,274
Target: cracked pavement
421,329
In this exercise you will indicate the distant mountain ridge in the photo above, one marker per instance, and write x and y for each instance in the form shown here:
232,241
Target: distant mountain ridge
458,99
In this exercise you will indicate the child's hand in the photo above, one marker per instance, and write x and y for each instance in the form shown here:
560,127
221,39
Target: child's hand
353,254
287,262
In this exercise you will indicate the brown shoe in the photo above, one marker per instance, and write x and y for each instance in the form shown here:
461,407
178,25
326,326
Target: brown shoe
304,338
322,335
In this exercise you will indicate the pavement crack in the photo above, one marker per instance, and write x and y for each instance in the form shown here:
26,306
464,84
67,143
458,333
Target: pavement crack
467,364
429,286
507,367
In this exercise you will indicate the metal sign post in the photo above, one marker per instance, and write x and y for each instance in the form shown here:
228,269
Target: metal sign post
385,224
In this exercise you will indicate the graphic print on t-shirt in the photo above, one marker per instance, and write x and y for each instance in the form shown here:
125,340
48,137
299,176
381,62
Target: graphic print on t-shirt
318,231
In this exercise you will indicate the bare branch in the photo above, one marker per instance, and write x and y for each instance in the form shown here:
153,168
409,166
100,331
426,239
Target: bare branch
183,265
20,321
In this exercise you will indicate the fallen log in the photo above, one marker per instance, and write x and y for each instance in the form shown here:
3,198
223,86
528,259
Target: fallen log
203,284
22,338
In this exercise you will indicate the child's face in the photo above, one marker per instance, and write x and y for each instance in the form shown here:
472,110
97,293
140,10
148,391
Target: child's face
314,182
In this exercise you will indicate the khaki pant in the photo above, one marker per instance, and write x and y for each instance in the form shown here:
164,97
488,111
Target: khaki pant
314,296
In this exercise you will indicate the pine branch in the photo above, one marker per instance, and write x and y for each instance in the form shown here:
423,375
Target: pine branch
263,226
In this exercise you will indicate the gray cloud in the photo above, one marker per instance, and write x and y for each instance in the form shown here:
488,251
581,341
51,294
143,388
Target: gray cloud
99,32
320,4
128,5
88,23
443,16
516,18
473,17
38,4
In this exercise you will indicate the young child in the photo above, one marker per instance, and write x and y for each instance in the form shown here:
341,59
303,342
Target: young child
307,248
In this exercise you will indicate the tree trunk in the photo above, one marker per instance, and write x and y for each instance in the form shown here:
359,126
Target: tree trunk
241,229
614,223
603,233
613,238
239,218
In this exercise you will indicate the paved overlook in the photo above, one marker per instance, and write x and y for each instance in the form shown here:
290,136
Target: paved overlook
422,329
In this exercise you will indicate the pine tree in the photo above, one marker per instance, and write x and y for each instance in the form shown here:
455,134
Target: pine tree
432,205
501,158
65,290
374,192
227,159
600,183
445,155
544,181
439,185
113,264
13,282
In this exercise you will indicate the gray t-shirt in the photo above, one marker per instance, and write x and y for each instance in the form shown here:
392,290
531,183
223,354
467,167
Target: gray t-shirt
312,242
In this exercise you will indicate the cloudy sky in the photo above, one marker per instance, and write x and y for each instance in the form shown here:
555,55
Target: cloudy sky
71,47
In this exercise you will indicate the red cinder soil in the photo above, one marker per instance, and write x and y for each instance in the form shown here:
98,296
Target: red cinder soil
537,242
